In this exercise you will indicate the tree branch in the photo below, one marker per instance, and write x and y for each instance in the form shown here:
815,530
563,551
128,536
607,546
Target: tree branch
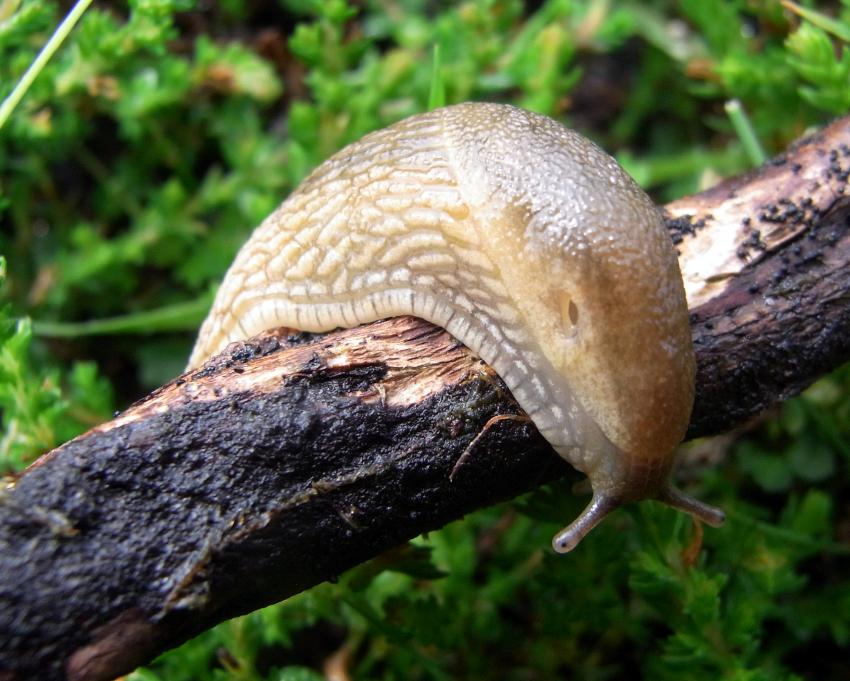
288,459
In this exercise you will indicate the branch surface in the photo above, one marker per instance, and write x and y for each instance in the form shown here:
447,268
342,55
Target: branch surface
291,458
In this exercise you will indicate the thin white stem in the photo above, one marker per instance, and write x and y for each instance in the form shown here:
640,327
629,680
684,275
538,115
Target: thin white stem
58,37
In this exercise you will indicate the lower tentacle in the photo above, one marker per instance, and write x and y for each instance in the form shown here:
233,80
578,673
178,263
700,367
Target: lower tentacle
594,513
710,515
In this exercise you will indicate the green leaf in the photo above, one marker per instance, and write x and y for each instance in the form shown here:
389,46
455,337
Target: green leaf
813,57
838,28
811,517
233,69
437,93
771,471
811,459
702,599
178,317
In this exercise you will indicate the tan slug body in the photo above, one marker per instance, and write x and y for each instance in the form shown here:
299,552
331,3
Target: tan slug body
527,243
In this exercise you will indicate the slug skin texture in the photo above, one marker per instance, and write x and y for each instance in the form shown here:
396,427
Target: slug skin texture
526,242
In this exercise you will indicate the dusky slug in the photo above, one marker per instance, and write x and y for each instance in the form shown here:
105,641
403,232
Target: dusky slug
526,242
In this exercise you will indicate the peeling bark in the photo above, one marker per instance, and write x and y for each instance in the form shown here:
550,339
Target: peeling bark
290,458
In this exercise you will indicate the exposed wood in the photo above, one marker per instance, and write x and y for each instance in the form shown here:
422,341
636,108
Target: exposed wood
287,460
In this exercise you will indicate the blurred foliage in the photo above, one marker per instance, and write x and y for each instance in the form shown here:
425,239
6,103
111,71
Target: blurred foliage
163,131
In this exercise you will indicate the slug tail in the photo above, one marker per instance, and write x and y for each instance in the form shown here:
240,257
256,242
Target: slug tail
596,511
710,515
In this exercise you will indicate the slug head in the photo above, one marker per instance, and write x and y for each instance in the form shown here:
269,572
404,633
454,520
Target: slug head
625,349
588,261
589,264
634,374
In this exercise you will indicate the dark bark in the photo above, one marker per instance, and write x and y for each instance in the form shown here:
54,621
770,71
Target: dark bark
287,460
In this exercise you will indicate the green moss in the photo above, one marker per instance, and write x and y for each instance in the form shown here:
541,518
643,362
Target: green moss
160,134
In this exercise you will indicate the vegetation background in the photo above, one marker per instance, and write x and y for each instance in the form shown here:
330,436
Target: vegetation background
163,131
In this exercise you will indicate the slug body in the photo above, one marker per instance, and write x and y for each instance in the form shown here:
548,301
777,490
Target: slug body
527,243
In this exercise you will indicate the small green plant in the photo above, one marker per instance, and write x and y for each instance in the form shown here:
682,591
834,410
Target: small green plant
40,410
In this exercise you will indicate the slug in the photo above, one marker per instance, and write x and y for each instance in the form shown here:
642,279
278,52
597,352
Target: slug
527,243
